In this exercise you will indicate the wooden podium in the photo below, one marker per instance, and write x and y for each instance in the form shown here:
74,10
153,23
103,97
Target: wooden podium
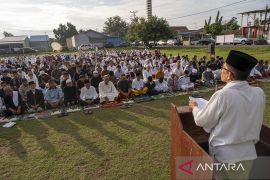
189,140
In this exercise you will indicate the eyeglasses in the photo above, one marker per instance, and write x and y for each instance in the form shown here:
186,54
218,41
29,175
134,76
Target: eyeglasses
227,70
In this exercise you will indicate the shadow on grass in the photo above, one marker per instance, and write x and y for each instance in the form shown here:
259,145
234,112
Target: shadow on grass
14,142
95,124
41,133
133,118
65,126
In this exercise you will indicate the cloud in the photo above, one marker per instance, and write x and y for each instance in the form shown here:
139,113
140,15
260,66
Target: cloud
35,16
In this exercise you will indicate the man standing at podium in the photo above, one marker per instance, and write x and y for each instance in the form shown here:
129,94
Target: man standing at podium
233,115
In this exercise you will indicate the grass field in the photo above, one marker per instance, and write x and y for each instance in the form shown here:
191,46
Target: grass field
260,52
110,144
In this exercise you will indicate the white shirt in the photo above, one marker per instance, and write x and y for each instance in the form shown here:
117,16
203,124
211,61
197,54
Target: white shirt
106,90
183,80
161,86
34,78
146,74
254,72
87,94
137,84
234,117
178,72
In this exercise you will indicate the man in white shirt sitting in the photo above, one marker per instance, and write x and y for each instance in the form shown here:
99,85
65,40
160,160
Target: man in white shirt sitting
161,85
88,94
107,91
147,73
178,70
184,82
138,87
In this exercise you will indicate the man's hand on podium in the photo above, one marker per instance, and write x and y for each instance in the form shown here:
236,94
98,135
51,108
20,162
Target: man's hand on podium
192,104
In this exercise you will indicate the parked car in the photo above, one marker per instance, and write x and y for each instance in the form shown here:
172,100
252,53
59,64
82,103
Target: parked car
86,47
162,43
171,42
261,42
4,51
205,41
243,41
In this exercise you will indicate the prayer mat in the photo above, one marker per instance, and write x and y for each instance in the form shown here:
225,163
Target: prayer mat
43,115
10,119
91,107
112,104
157,97
143,99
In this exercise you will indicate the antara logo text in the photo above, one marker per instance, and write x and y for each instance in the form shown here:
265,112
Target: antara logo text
187,167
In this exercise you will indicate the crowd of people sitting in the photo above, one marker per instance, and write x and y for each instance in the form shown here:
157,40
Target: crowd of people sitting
35,83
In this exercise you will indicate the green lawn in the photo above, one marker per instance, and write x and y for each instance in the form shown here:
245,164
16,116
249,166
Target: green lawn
260,52
110,144
257,51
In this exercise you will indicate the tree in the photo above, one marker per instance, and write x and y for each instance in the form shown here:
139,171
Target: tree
214,28
7,34
133,30
116,26
153,29
231,25
64,31
81,31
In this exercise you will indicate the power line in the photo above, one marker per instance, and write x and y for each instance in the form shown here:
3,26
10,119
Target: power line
209,10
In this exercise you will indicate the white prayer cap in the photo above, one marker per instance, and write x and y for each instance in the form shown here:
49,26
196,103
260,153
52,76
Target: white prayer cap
194,71
95,72
42,73
68,81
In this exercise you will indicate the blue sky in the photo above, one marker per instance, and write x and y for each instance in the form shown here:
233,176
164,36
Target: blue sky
39,16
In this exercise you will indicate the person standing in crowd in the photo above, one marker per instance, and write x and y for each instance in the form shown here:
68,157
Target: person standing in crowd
53,95
107,91
35,98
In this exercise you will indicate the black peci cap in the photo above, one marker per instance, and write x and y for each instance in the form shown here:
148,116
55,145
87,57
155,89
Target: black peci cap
241,61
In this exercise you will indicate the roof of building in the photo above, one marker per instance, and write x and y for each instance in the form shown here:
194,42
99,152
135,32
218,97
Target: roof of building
179,28
256,11
14,39
39,38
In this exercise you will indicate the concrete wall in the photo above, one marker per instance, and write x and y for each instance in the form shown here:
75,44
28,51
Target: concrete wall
81,39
